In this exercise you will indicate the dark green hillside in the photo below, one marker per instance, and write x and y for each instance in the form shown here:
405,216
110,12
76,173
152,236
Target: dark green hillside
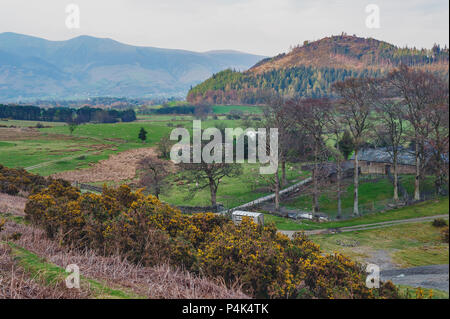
311,69
229,87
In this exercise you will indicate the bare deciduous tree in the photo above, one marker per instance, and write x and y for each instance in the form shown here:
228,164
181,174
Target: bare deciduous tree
154,174
418,91
438,141
335,129
313,115
202,111
355,108
390,117
204,175
164,146
277,115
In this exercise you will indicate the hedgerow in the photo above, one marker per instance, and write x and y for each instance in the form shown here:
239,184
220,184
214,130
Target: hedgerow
146,231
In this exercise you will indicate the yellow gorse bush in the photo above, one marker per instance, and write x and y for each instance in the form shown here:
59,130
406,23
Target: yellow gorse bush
144,230
13,180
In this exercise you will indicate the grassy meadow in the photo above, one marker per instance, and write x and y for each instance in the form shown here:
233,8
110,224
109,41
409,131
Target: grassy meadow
232,192
408,245
371,193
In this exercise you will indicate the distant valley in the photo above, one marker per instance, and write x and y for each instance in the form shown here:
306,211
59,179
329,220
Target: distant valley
33,68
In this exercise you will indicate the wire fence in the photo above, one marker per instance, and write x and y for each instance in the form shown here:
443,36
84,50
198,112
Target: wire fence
381,206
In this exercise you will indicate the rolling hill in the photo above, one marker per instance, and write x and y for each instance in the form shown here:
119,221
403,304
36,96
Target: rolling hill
35,68
310,69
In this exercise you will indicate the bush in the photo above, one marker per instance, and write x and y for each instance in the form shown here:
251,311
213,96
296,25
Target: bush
12,181
439,222
268,264
146,231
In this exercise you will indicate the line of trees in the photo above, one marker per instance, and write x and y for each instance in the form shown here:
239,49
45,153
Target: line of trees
405,106
64,114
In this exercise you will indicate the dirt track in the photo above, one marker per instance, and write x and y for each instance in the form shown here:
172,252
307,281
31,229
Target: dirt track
118,167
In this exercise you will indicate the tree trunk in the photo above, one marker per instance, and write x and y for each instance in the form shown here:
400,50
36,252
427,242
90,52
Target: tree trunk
440,180
417,180
356,185
213,190
315,184
395,175
277,192
283,172
339,178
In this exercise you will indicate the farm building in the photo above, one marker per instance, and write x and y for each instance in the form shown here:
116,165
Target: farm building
371,161
329,170
238,215
379,161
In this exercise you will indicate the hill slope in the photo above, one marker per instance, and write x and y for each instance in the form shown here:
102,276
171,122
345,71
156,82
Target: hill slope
85,66
309,70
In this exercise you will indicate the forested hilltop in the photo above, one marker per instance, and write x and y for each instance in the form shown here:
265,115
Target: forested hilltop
311,69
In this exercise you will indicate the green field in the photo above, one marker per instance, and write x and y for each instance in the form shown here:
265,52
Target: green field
408,245
88,144
56,150
232,192
371,195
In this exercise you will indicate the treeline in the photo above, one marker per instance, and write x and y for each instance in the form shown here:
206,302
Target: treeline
175,110
64,114
181,109
233,87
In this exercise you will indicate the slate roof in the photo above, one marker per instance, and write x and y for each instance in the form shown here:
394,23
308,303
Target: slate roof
383,155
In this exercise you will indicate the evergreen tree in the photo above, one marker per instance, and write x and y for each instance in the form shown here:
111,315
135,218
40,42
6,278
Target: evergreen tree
143,135
346,145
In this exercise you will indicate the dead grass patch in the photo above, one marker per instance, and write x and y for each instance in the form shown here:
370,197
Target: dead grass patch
14,205
116,168
16,283
160,282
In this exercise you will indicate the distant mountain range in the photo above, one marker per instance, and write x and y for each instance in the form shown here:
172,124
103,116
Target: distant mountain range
35,68
311,69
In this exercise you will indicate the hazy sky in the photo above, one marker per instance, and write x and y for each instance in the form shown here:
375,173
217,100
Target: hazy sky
265,27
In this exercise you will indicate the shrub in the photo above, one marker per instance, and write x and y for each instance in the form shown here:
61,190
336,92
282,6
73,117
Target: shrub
146,231
439,222
12,181
269,264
